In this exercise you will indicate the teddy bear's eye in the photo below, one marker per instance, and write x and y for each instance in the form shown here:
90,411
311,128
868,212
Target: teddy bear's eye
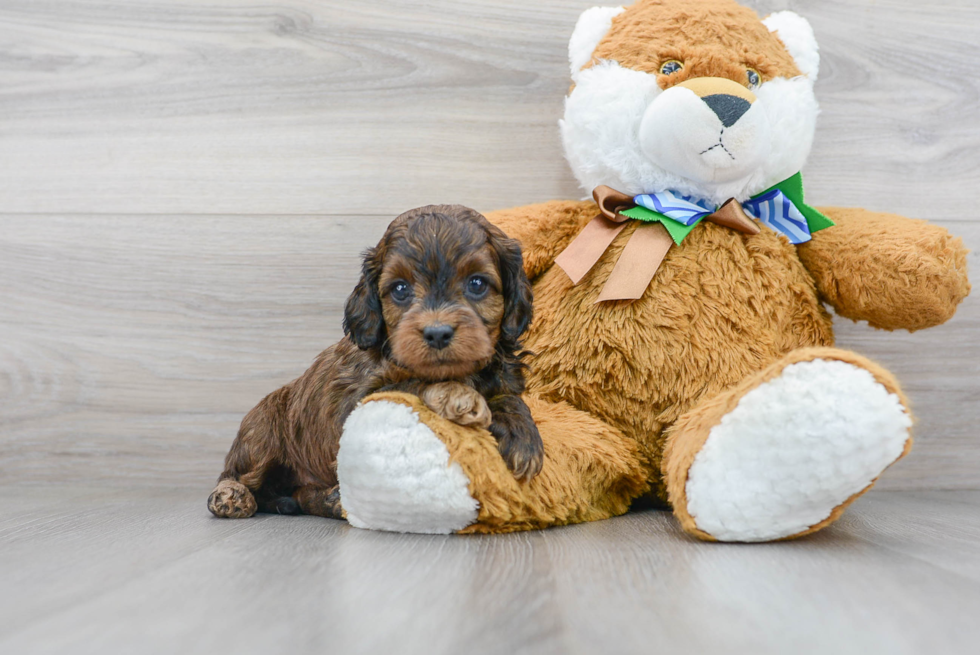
754,79
671,66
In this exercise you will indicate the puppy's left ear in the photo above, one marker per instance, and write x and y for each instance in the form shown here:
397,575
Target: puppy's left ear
363,319
518,309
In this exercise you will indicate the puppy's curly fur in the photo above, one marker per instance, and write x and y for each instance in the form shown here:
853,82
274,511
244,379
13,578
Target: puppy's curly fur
439,312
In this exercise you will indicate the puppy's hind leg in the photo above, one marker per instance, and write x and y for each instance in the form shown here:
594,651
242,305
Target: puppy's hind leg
252,455
275,494
320,501
231,500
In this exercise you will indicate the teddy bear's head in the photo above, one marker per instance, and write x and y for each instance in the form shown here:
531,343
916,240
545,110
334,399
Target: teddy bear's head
696,96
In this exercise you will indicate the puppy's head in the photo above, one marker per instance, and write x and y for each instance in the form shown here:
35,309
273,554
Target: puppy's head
441,293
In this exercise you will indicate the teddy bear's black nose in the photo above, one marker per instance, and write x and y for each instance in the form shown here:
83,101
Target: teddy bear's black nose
727,108
438,336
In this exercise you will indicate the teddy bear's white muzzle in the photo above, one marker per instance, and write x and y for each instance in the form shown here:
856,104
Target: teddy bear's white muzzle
717,139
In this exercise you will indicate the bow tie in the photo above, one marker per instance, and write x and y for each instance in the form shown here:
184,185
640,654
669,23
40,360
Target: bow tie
666,218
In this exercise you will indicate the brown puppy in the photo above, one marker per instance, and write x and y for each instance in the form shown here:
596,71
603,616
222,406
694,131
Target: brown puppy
439,312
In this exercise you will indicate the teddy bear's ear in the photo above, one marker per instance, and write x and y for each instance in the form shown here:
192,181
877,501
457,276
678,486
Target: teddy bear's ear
797,35
592,25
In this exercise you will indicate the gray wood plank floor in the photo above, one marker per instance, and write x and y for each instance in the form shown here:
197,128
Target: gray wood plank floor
90,570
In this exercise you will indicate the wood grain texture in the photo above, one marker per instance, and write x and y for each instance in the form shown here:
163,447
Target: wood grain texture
374,106
151,572
133,346
185,186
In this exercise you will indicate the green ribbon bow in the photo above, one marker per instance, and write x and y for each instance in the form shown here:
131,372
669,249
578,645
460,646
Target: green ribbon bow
759,206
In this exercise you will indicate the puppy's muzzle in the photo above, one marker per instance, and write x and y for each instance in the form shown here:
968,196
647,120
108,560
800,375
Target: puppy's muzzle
438,336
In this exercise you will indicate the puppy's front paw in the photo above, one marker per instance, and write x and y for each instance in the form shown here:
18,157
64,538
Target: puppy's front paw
520,445
232,500
458,403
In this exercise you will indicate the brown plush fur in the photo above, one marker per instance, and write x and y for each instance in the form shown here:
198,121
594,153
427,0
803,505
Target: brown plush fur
438,270
591,471
721,307
893,272
712,39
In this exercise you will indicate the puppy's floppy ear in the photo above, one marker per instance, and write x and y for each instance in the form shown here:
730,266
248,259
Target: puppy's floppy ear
363,319
518,309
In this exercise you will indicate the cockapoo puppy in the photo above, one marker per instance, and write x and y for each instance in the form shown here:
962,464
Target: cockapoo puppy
439,312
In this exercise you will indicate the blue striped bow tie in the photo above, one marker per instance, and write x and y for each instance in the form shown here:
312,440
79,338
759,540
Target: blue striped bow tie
773,209
780,208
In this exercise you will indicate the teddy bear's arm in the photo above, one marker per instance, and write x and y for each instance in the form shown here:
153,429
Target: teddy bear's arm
892,271
544,230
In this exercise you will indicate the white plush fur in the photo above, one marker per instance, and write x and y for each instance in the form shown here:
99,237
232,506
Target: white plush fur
395,474
592,25
604,114
680,133
792,450
798,37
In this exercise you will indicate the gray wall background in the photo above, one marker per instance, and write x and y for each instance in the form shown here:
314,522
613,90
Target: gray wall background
185,186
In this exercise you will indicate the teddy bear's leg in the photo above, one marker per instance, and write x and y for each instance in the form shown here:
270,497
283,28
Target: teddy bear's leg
403,468
785,452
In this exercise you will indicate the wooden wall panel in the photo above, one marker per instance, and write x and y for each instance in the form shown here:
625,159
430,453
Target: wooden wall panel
132,346
370,107
185,186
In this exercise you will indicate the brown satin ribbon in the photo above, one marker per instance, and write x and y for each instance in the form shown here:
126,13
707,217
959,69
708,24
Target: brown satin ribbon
645,250
586,249
731,215
638,264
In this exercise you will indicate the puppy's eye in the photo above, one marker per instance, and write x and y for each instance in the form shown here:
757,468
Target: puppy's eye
401,291
754,78
477,286
671,66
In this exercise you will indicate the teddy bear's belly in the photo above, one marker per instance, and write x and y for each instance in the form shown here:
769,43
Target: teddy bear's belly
722,306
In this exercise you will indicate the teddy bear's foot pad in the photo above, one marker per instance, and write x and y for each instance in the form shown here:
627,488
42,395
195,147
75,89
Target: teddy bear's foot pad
793,450
395,474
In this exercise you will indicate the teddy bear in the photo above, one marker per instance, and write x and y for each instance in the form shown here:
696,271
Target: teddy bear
682,349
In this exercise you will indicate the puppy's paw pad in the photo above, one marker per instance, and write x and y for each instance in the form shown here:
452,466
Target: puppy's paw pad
458,403
475,413
232,500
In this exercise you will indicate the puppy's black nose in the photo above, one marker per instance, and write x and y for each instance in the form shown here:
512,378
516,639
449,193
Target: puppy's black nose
727,108
438,336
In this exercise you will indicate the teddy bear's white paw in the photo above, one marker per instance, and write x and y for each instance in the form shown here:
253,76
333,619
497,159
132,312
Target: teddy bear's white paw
793,450
395,474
